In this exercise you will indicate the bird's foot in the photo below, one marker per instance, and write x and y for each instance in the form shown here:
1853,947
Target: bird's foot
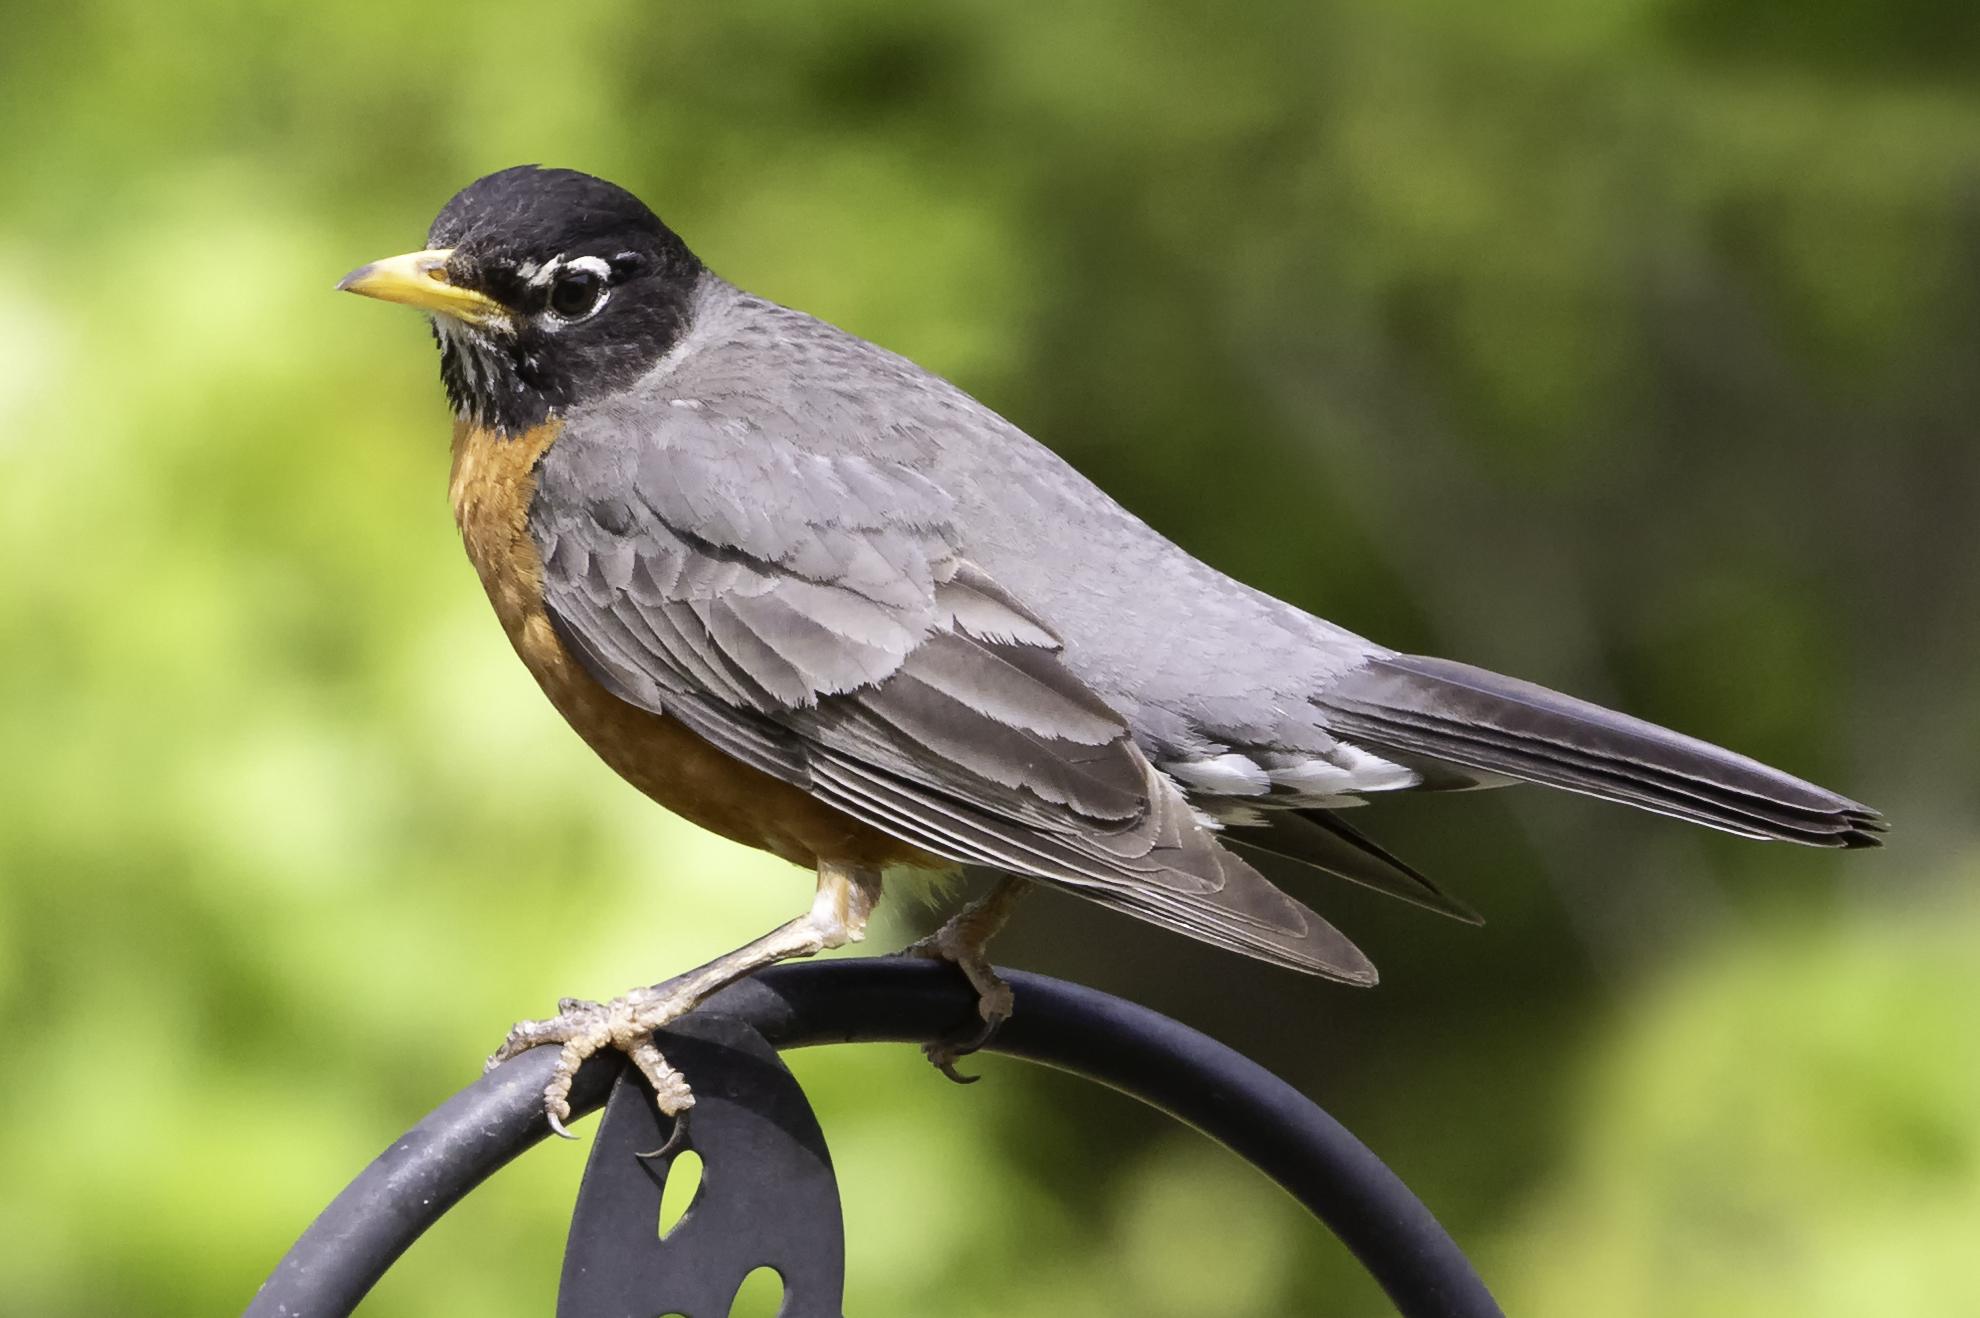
954,943
845,898
583,1028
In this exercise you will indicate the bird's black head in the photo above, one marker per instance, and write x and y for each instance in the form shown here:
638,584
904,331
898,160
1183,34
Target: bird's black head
547,288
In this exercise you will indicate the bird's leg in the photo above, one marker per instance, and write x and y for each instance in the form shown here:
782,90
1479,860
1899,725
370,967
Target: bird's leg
961,942
845,899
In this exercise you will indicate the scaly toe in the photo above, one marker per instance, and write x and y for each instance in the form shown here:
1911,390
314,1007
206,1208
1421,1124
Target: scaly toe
576,1019
583,1028
994,1003
670,1087
928,948
994,1000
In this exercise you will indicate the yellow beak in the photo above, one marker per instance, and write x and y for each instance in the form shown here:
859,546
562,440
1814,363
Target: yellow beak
419,279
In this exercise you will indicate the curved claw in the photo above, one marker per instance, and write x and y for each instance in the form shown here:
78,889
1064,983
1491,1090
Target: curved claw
556,1123
943,1056
981,1039
675,1138
943,1059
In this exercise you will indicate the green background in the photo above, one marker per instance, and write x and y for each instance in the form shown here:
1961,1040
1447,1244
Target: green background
1626,345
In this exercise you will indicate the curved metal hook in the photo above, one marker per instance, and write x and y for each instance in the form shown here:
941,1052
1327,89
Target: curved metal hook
1163,1063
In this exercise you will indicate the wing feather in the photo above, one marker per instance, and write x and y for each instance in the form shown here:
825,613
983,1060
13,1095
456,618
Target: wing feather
812,617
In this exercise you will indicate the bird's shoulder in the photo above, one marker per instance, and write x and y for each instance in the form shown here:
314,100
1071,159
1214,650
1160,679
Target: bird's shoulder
707,495
776,437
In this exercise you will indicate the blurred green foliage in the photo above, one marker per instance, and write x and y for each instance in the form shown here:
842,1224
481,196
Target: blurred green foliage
1626,345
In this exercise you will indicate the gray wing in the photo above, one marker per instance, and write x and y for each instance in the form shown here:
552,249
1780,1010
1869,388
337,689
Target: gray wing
811,616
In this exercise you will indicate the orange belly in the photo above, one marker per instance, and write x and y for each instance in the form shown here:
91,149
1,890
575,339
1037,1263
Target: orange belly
493,481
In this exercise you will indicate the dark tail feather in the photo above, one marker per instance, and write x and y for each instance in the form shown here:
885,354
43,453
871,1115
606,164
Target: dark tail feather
1323,840
1452,712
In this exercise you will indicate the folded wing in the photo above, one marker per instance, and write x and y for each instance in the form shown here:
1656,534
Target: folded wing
811,616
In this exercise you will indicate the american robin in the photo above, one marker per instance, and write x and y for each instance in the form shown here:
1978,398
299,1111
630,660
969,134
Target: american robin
810,596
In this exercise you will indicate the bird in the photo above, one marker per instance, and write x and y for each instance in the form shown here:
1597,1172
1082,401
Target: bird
821,601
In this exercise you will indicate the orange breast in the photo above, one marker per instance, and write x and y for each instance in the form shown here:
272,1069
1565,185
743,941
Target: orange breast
494,479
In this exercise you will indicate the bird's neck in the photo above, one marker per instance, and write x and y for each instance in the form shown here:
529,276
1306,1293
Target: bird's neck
486,383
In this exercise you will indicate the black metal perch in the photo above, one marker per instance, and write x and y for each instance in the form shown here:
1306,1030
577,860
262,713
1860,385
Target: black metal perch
778,1203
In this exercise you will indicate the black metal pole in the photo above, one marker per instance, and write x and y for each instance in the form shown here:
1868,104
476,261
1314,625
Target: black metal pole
1137,1051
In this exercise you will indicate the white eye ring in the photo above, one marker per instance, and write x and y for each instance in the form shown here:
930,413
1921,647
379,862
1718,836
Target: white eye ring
559,276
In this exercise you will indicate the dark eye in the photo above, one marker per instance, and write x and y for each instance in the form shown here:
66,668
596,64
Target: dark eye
576,293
